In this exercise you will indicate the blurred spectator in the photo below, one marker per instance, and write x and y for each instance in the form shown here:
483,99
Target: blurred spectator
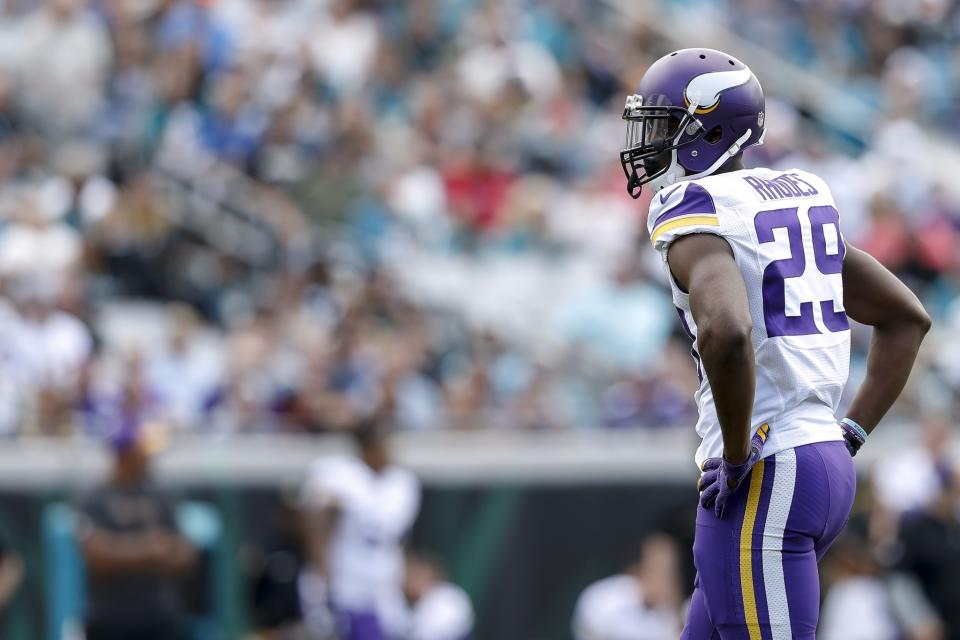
47,348
931,550
182,372
11,578
343,45
63,50
126,408
359,511
36,244
134,552
642,603
913,478
439,610
865,602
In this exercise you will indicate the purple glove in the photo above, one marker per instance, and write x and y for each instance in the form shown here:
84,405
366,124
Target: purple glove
720,479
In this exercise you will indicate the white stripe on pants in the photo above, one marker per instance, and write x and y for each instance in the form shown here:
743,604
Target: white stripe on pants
781,498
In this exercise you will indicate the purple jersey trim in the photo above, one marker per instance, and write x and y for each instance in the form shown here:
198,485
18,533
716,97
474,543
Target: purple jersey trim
695,199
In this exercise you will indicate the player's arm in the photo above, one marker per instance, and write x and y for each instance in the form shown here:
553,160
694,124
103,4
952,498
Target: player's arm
148,552
321,523
874,296
703,264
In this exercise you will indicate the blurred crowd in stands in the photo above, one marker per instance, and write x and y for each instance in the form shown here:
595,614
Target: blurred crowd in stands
287,215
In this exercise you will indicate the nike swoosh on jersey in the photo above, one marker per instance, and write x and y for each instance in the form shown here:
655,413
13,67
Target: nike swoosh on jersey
666,196
696,200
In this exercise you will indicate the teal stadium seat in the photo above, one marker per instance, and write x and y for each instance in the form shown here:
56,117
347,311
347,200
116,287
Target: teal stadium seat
64,573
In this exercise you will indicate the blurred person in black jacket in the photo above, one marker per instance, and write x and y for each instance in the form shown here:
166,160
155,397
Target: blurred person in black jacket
865,601
931,550
134,551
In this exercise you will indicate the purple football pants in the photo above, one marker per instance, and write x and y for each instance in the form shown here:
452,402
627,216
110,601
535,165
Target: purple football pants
757,573
359,625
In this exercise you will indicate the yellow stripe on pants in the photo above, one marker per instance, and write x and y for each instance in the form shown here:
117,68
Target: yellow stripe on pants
746,553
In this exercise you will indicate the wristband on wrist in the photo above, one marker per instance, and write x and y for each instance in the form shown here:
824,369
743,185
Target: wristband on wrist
860,431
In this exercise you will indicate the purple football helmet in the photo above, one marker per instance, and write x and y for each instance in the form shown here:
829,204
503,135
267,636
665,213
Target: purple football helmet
694,110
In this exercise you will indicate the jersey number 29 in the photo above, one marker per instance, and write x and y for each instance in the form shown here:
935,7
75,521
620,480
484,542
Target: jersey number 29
778,323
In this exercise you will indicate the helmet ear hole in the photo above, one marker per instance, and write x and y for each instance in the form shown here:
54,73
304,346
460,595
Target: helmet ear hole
714,135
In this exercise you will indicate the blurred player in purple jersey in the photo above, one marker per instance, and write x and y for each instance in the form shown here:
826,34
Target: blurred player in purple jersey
764,284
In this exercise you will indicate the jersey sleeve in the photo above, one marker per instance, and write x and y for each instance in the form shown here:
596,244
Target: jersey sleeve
403,503
328,484
681,210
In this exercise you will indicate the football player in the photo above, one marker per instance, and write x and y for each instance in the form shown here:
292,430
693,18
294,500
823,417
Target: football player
438,609
764,284
641,603
359,512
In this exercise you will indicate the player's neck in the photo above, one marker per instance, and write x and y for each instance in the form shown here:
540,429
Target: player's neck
376,463
733,164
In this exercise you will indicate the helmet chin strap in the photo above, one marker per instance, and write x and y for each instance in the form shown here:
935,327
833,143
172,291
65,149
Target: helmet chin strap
676,173
673,174
733,150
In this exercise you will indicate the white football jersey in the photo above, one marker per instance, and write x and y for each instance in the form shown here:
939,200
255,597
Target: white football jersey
377,510
784,230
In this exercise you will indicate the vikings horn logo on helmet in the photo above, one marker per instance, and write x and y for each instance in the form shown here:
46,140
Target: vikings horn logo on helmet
704,90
